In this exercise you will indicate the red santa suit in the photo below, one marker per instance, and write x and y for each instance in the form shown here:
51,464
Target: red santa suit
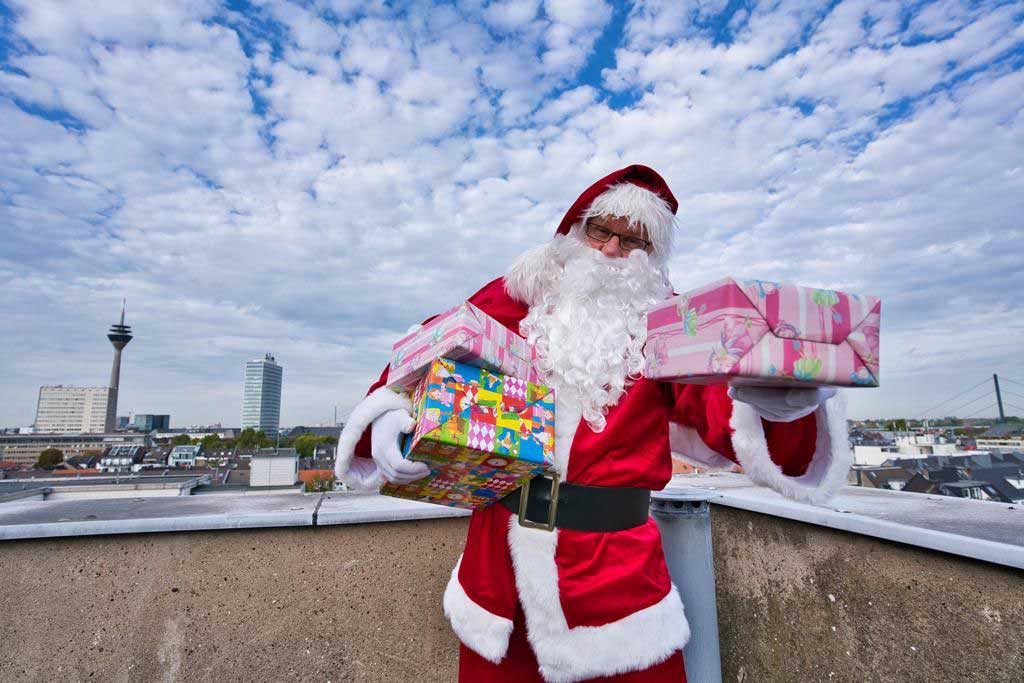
597,604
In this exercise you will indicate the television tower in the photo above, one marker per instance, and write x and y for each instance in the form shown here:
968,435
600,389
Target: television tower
119,335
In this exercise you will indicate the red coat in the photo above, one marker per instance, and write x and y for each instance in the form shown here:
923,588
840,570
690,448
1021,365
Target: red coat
598,603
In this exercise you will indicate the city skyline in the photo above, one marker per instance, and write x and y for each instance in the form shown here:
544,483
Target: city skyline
314,181
949,400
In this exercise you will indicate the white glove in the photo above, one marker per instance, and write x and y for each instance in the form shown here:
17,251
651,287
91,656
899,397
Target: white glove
384,447
780,404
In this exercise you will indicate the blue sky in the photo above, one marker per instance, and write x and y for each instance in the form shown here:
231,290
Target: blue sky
309,178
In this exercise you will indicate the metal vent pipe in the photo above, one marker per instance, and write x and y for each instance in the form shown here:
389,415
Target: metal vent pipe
684,519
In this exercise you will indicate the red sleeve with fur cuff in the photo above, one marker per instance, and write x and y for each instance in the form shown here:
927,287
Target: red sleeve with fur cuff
362,448
791,444
708,410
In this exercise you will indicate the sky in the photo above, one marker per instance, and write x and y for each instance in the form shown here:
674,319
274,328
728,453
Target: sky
310,178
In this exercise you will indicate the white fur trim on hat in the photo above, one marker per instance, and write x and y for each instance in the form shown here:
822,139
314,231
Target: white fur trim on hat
369,409
830,463
478,629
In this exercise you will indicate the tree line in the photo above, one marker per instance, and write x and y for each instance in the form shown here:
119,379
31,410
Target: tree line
304,444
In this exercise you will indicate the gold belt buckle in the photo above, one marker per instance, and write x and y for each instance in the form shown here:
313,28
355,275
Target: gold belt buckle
524,498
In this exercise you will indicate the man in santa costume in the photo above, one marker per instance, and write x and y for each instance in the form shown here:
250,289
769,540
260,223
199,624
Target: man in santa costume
591,599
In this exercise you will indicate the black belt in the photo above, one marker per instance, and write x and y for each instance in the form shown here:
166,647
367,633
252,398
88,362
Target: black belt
583,508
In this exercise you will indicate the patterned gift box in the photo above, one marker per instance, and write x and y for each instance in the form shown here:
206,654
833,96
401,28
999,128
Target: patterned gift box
482,433
764,333
464,333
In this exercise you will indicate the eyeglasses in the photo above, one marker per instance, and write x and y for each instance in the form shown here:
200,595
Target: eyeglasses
627,242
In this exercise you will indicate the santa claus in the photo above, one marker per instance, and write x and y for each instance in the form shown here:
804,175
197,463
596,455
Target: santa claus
581,592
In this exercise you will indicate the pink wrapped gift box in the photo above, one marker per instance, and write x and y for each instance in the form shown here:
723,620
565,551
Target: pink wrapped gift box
764,333
466,334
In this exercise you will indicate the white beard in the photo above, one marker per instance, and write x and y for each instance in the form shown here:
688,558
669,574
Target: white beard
587,318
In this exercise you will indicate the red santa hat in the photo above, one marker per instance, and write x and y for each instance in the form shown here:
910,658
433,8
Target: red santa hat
635,192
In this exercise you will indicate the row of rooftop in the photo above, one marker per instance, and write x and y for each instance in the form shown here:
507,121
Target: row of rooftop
946,461
938,463
997,477
106,476
24,447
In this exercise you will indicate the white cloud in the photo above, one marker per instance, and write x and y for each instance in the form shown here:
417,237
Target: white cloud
653,22
511,15
569,102
396,162
579,14
75,26
305,27
939,19
377,48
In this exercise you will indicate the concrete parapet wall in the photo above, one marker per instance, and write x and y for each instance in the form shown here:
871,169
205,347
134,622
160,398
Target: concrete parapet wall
798,602
338,603
362,602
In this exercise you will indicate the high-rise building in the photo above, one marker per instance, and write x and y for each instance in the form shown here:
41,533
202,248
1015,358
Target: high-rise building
72,409
119,336
261,398
147,423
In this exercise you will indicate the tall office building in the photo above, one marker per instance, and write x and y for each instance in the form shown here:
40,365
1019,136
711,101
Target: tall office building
149,423
119,336
72,409
261,399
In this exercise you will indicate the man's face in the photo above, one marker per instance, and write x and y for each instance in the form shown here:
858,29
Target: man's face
600,226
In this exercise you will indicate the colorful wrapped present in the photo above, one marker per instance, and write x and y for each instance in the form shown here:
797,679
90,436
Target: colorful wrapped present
464,333
764,333
482,433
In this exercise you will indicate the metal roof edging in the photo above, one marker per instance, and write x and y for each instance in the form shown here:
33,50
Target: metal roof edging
942,541
154,525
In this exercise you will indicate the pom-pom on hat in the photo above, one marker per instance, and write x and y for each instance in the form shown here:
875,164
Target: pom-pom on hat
623,201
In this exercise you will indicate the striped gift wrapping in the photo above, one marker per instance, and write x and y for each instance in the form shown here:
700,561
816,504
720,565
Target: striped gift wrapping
466,334
765,333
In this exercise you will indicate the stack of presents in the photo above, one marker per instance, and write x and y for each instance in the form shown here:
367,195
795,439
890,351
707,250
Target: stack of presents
485,422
